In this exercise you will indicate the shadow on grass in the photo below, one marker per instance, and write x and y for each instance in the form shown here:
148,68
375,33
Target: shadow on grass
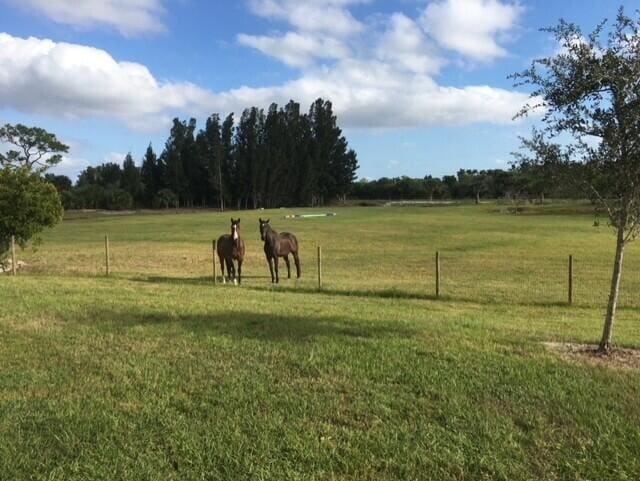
388,293
198,281
380,293
394,293
245,324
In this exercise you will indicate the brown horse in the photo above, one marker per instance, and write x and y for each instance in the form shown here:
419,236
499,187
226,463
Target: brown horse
279,245
230,248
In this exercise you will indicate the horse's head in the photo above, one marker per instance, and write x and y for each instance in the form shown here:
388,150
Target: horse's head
264,226
235,229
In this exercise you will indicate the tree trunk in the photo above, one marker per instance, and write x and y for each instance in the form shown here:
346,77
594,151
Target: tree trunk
605,342
477,198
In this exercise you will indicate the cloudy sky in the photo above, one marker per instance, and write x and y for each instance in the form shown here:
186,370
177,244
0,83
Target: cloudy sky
420,86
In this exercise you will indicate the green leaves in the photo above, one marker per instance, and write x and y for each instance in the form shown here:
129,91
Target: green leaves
28,204
37,149
591,93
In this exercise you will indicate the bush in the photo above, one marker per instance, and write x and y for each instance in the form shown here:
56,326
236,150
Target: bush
28,204
164,199
117,199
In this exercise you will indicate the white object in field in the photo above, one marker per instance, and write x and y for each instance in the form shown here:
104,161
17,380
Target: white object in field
305,216
7,266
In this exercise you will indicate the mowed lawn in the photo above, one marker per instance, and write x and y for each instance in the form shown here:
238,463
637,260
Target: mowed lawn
156,374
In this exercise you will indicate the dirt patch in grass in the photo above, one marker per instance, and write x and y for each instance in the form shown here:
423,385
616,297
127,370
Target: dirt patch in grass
619,358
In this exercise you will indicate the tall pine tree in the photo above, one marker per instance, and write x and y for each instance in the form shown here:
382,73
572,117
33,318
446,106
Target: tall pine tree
151,174
175,178
228,166
130,180
334,165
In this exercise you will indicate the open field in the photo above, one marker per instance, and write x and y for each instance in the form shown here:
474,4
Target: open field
154,373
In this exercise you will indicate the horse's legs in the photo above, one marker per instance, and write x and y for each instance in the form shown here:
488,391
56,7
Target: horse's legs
275,262
231,270
239,271
222,269
296,259
270,269
286,261
235,273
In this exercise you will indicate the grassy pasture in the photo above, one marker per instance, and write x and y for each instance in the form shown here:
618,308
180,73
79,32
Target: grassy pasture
154,373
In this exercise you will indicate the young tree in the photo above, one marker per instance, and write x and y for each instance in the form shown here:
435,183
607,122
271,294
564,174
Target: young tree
37,148
28,204
590,90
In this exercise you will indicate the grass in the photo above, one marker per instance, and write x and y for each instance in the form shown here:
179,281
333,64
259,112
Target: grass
154,373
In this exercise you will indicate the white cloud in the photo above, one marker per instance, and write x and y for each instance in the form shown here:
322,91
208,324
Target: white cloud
295,49
114,158
384,81
70,166
73,81
405,45
471,27
325,16
373,94
129,17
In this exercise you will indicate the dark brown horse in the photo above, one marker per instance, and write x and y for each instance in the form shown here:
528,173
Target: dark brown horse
279,245
230,248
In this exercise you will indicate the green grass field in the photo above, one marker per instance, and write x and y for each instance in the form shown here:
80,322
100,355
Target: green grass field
156,374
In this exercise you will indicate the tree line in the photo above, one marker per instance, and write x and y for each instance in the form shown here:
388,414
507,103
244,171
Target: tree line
111,186
523,181
280,157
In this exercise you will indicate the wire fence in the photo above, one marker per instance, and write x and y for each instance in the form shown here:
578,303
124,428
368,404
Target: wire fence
510,276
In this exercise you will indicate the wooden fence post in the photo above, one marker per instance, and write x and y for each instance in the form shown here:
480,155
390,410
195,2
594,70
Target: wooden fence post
319,267
106,254
213,251
570,279
437,273
14,265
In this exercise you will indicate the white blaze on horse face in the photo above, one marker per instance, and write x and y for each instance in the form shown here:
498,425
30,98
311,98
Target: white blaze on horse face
235,232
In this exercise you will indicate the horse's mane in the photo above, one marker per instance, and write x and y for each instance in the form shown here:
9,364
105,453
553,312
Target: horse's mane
269,230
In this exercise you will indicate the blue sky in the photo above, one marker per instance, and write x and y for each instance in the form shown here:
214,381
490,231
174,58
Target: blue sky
420,87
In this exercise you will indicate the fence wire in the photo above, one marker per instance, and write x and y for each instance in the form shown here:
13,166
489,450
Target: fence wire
512,276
